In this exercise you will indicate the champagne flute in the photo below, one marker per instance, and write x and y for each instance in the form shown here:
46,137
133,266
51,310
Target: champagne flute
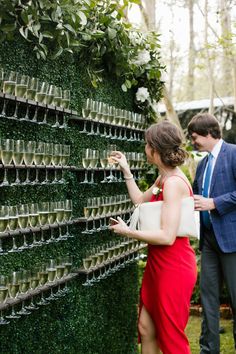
7,146
86,155
34,283
23,220
9,82
3,296
24,288
104,164
65,101
47,160
4,217
20,91
56,160
93,114
18,155
50,95
87,264
94,159
34,221
41,92
40,97
111,162
43,279
52,273
60,210
30,95
57,99
13,218
68,216
87,214
13,225
13,291
38,158
29,152
21,86
43,213
32,88
86,109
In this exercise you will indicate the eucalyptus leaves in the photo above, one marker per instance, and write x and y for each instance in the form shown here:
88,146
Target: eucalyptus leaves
95,31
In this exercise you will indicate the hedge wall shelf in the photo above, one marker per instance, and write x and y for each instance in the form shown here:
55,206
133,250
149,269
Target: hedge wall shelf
25,110
47,175
102,270
107,130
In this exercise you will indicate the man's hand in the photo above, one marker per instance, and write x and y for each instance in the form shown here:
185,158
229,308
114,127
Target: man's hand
201,203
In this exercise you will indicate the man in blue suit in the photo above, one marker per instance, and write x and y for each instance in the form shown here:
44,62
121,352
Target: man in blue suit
215,197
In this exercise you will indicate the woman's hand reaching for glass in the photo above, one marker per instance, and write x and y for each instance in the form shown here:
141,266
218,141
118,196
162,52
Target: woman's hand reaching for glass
120,158
120,228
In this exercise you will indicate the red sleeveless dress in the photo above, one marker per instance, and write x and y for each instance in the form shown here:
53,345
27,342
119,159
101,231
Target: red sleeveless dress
167,286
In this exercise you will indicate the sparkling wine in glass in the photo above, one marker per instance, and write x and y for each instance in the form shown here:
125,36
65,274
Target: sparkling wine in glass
3,296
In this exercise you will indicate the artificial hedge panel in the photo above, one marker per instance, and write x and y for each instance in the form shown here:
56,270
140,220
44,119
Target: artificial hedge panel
92,320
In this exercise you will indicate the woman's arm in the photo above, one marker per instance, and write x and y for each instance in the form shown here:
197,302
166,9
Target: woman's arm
170,217
135,193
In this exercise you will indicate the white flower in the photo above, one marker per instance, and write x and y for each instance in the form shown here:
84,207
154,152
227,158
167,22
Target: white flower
142,94
137,38
142,58
156,191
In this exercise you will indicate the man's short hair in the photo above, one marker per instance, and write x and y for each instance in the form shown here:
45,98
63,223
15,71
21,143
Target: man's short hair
204,124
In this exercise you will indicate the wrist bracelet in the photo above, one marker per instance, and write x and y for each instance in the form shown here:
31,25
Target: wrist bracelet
129,177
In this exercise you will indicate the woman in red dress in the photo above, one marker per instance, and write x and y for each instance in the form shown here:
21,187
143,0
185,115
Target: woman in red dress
171,271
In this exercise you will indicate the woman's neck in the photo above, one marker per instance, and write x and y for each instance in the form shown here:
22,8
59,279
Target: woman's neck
166,172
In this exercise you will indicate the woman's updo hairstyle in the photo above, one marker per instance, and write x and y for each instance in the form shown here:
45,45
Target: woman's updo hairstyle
166,139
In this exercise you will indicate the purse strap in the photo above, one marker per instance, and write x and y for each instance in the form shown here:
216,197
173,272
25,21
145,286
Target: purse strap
133,221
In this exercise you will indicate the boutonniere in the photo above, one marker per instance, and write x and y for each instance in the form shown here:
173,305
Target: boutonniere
156,191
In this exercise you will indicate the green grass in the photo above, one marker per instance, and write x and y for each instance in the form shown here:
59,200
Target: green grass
193,333
226,339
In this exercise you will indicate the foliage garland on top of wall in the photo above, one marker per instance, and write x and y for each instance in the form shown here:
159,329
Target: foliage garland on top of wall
94,31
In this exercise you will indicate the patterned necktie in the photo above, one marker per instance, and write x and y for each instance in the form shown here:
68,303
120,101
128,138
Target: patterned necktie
205,191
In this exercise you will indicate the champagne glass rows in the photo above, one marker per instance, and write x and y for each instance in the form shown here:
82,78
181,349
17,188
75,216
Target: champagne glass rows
92,159
20,85
21,152
99,208
32,153
106,206
120,119
109,258
23,216
22,282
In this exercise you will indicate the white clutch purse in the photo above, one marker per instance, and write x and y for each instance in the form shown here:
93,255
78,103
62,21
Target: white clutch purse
147,217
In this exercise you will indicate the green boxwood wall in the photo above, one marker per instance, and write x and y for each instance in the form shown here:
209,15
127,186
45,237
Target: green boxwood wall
93,320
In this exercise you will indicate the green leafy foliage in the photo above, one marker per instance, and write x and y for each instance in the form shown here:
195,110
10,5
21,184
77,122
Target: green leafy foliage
75,324
94,31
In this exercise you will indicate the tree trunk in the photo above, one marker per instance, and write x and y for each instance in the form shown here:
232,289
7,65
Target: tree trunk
234,83
209,65
191,54
227,62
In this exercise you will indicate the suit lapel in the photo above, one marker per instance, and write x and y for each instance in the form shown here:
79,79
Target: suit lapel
220,157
